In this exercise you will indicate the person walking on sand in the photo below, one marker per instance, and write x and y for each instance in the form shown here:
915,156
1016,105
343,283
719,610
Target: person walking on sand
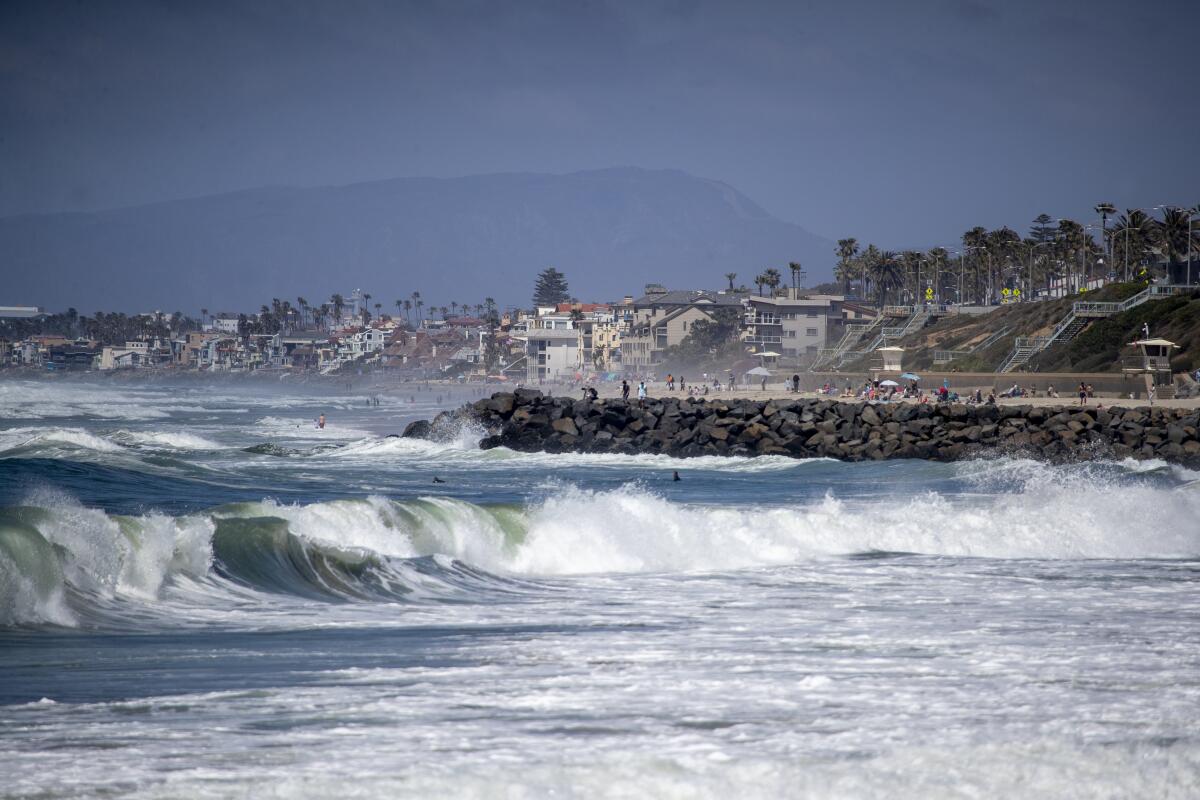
625,390
1082,393
642,394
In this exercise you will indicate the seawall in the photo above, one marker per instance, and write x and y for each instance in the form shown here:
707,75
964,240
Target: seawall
807,428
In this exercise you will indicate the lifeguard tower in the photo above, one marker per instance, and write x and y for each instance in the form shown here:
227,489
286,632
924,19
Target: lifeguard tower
887,359
1153,362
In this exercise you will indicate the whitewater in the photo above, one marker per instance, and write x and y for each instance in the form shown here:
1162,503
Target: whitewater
202,594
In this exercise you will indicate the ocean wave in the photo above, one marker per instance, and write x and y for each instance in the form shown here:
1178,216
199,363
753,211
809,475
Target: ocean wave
31,440
52,550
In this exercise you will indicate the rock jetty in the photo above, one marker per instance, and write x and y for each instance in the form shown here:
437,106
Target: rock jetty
527,420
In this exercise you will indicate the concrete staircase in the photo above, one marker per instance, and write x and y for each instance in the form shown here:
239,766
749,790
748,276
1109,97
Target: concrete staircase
832,357
1082,313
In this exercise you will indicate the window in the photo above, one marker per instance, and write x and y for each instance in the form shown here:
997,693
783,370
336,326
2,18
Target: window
810,331
812,314
791,334
812,348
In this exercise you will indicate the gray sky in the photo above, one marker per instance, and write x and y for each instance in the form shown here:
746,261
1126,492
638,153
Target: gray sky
902,123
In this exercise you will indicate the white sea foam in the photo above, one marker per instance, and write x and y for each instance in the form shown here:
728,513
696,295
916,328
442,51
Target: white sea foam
300,428
165,440
54,438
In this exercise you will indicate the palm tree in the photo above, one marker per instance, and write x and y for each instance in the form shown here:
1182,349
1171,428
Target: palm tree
760,280
339,303
399,307
975,242
887,275
794,266
847,249
203,315
454,308
408,311
1174,239
729,276
773,278
416,299
1104,209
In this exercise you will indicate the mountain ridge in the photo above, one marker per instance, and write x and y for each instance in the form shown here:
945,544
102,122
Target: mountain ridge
610,230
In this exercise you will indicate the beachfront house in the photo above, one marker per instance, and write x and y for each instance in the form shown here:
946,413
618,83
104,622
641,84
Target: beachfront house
793,326
551,355
661,319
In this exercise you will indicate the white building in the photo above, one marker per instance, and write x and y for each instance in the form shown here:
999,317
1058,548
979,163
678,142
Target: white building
551,355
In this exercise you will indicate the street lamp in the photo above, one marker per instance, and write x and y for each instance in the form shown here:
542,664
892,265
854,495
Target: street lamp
1033,247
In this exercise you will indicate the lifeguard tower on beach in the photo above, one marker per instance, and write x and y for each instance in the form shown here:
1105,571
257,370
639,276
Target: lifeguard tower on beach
887,359
1153,362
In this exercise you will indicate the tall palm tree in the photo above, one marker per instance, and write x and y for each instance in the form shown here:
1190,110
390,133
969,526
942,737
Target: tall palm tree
416,299
1104,209
729,276
453,307
867,262
399,307
910,270
760,280
887,275
794,266
339,303
1174,238
408,311
847,249
975,243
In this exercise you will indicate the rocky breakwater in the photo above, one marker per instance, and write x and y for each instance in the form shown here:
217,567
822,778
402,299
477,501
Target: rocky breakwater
527,420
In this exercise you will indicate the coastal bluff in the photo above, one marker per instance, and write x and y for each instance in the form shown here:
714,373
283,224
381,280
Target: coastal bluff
527,420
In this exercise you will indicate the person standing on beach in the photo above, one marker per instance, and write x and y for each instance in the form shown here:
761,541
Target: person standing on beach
642,394
625,390
1082,393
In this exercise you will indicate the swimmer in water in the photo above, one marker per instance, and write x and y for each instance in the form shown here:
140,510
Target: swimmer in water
676,477
436,479
321,422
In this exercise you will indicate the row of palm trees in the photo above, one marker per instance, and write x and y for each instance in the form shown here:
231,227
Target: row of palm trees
282,315
771,278
1058,256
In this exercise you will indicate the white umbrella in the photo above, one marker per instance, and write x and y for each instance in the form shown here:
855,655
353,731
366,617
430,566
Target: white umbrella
759,371
888,383
769,354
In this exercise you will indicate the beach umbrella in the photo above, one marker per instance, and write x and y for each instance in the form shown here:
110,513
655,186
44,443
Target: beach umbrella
908,376
888,382
759,371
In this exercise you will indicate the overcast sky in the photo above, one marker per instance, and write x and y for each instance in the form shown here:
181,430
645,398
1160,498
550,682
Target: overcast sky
902,123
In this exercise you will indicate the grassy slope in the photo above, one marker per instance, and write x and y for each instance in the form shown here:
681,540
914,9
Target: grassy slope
1097,349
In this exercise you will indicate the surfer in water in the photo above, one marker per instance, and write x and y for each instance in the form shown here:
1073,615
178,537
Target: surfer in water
321,422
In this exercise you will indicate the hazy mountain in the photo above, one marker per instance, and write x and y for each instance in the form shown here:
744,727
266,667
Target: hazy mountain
611,231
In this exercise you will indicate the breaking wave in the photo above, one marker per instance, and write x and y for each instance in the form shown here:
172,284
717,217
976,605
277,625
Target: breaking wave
62,563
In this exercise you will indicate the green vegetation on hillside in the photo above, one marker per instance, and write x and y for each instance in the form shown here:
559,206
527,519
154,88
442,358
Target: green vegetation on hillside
1102,345
1099,348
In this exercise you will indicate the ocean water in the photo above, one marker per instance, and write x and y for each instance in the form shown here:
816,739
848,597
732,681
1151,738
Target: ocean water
202,595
